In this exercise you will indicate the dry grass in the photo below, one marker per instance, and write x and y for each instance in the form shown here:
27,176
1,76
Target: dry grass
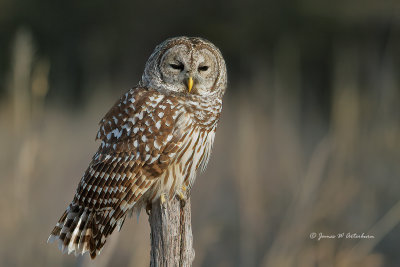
274,177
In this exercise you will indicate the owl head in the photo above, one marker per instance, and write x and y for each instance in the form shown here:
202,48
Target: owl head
186,66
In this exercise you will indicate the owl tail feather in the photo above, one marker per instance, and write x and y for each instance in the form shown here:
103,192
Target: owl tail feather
76,231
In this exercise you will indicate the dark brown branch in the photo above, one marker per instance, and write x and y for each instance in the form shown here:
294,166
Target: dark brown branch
171,235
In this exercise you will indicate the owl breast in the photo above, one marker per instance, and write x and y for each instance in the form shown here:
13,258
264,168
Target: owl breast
197,138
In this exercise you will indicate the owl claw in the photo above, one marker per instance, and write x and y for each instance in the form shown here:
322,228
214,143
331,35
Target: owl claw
181,195
163,200
182,198
148,208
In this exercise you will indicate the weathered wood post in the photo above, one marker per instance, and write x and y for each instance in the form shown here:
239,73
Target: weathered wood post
171,234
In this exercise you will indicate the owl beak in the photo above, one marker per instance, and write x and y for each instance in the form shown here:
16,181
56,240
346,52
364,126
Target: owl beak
190,84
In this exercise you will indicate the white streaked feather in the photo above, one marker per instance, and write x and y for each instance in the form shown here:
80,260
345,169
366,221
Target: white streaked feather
72,246
51,239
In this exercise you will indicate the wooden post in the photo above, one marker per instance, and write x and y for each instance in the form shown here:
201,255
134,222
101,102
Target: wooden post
171,235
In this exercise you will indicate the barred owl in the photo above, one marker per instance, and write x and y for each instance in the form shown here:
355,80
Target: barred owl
153,141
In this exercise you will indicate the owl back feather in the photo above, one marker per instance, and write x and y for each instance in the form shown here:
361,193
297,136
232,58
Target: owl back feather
74,231
77,231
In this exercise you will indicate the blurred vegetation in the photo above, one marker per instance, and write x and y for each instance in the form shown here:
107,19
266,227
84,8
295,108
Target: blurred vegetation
309,139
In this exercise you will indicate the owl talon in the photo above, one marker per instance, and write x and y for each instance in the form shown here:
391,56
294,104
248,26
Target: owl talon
182,198
163,200
183,202
148,208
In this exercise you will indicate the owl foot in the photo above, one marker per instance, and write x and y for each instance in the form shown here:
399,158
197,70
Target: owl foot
148,208
182,195
182,198
163,200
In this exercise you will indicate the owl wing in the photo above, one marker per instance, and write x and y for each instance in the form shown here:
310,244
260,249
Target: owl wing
138,141
139,138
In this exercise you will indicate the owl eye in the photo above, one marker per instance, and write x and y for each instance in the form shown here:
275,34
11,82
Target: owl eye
203,68
177,66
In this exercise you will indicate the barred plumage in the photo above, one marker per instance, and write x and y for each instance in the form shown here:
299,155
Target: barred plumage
153,141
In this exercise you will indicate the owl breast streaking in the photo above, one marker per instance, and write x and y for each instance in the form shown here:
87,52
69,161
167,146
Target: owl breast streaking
153,141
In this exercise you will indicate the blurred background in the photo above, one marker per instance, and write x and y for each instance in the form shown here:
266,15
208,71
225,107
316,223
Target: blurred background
309,139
